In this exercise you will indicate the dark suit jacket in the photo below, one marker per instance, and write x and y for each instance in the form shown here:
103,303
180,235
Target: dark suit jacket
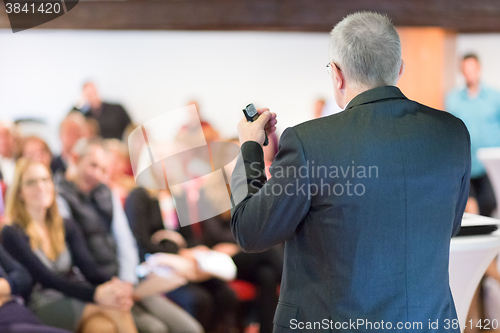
144,217
376,247
112,120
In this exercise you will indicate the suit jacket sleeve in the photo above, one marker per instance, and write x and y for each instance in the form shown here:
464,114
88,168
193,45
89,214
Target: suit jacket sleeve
464,188
269,211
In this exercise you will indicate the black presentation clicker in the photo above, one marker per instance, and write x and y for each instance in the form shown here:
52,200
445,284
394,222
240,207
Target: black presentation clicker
251,114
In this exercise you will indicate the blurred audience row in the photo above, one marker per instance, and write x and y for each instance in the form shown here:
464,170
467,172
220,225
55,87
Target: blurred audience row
75,227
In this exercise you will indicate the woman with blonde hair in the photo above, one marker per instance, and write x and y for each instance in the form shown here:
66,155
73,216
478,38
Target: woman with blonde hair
50,247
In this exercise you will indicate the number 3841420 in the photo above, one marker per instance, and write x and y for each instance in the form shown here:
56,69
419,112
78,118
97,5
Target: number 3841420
32,8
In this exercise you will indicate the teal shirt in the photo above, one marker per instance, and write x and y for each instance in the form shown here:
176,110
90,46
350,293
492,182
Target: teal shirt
481,115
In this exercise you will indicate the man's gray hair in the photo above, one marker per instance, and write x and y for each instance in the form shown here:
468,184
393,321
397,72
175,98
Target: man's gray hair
84,145
366,48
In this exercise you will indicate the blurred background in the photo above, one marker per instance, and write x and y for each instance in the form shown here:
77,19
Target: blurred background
106,67
155,56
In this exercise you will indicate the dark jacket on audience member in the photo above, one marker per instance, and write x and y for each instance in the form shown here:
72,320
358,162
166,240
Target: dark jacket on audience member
14,317
144,216
93,213
18,277
17,243
112,120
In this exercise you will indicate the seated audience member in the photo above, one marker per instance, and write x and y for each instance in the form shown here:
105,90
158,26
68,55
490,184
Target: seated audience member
92,129
193,124
8,143
119,179
261,269
112,119
319,105
99,214
36,149
15,282
49,247
72,128
153,221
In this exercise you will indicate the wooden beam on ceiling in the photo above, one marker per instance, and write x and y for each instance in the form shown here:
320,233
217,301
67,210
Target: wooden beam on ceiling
271,15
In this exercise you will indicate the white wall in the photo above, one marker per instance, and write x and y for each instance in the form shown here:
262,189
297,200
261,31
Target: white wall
150,72
487,47
41,72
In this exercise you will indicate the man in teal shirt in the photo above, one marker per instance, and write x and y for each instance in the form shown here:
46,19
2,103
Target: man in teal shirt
479,108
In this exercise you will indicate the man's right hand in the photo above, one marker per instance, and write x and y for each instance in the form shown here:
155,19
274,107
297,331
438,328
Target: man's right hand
248,131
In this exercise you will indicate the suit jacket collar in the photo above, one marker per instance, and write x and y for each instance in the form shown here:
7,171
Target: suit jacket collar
375,95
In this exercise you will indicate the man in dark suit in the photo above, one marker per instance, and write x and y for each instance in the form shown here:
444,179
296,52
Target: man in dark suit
112,119
365,200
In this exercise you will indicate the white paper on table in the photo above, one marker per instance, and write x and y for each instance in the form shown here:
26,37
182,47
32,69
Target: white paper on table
216,263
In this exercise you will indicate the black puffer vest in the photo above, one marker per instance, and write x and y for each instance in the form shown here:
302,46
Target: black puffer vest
93,212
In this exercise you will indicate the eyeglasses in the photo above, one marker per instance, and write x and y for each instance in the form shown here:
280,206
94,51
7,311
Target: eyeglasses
33,182
329,67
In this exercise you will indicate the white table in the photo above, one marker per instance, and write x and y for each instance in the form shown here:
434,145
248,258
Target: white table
470,256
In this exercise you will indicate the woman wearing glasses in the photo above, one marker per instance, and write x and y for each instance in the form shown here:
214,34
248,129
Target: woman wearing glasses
50,247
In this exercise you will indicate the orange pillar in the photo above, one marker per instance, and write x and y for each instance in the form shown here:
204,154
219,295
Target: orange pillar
430,64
